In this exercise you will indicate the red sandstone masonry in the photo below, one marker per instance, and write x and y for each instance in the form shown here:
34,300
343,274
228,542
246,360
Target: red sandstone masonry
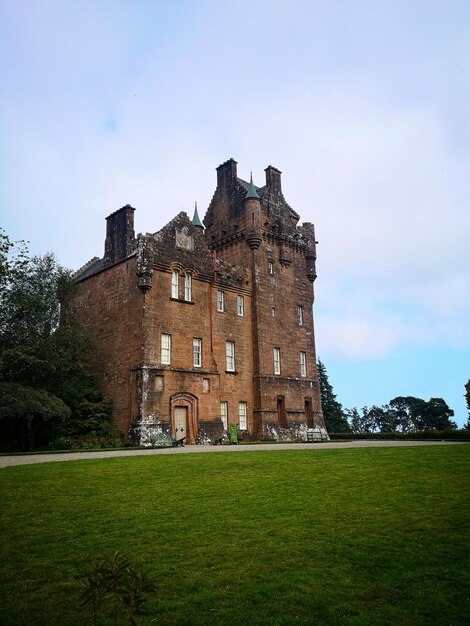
126,304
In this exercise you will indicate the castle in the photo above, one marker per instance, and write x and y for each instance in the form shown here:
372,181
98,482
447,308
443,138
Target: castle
198,328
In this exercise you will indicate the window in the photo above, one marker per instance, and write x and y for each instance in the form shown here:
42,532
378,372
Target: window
187,287
165,349
197,352
273,311
240,305
277,360
242,415
300,314
270,267
230,356
303,364
220,300
224,413
174,284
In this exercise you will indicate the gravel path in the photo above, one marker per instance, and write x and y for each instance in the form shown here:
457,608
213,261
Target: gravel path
27,459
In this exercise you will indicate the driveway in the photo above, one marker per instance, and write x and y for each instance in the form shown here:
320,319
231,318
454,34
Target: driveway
28,459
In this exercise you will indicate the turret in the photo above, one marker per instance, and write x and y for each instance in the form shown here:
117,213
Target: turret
252,205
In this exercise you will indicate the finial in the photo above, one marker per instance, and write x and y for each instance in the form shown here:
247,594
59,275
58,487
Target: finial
251,192
196,220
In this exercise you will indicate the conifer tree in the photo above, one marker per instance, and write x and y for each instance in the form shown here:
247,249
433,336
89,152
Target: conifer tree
335,419
467,399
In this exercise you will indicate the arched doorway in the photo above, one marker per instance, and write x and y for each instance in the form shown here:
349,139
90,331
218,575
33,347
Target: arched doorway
183,411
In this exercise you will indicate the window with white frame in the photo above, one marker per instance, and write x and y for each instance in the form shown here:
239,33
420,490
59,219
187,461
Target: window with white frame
240,306
242,415
187,287
165,349
270,267
277,360
220,300
197,352
230,356
300,314
303,364
224,413
174,283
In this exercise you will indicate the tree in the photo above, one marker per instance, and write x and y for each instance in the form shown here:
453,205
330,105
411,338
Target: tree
28,415
354,420
467,400
407,410
437,415
335,419
43,354
415,414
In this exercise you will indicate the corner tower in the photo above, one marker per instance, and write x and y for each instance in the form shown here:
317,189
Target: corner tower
255,228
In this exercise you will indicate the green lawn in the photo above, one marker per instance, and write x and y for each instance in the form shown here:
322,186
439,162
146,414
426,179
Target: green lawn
353,536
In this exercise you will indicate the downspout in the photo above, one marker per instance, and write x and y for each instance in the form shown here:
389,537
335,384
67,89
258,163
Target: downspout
213,284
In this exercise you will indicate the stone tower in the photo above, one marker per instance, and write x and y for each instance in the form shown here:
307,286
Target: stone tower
254,226
197,331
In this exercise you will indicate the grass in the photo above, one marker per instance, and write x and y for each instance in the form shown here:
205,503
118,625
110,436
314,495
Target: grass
359,536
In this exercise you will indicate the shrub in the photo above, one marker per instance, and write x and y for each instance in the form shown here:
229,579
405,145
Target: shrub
114,583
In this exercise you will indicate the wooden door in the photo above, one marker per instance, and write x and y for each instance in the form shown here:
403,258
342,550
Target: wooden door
180,417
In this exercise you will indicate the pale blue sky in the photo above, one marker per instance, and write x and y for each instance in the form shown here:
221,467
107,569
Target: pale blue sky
363,105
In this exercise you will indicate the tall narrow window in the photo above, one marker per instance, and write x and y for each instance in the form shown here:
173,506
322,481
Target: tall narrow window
230,356
165,349
273,311
187,287
303,364
240,306
270,267
277,360
242,415
300,314
224,413
174,284
220,300
197,352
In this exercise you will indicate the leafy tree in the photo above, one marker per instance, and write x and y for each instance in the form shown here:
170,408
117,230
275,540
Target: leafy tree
13,260
386,419
28,415
408,411
43,354
437,415
366,421
335,419
415,414
354,420
405,414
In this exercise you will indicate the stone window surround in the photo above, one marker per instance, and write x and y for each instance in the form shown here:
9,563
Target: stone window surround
220,301
165,349
242,415
230,356
197,352
277,360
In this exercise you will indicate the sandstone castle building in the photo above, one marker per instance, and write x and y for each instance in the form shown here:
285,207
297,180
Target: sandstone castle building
199,327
